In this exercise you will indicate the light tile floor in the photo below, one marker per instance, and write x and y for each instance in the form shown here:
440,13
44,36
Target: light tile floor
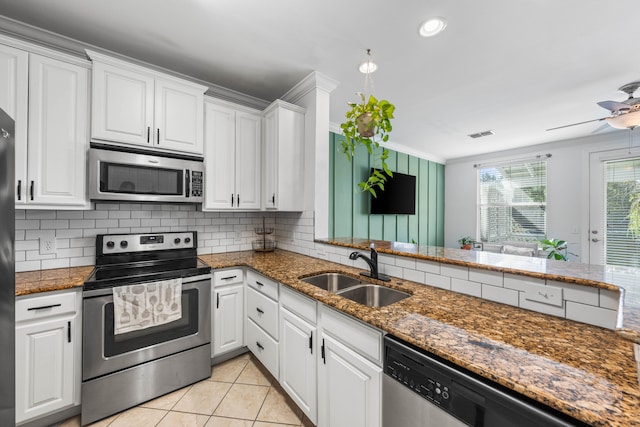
239,393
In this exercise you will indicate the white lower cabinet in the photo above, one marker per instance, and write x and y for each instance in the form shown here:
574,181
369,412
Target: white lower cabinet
298,351
48,354
349,382
227,300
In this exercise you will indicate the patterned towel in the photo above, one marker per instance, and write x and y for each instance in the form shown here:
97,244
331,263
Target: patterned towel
146,305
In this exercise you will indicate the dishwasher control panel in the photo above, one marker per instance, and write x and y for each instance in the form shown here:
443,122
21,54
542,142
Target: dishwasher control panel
412,373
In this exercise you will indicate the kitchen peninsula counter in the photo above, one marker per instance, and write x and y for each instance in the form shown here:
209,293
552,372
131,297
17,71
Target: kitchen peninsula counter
619,279
584,371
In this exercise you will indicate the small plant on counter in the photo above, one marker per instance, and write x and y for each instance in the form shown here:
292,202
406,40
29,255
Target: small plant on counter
466,242
367,124
555,248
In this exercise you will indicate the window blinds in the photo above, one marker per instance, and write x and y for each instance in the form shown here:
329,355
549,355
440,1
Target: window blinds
512,201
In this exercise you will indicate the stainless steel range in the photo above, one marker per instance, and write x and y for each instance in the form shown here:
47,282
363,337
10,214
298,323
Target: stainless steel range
146,321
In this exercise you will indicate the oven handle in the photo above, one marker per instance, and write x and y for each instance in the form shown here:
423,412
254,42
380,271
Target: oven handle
109,291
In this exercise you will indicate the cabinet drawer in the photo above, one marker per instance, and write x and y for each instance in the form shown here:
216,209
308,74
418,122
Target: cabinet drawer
43,306
263,311
262,284
297,303
364,339
263,347
228,277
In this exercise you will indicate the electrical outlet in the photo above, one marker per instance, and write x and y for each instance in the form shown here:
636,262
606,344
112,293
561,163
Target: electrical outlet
545,294
47,242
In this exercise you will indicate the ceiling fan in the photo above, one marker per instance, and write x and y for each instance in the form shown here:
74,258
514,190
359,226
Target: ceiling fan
624,115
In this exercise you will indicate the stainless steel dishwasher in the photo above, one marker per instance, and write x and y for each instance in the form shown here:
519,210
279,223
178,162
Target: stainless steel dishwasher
421,390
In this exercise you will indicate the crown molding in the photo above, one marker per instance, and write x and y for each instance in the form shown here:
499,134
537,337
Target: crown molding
314,80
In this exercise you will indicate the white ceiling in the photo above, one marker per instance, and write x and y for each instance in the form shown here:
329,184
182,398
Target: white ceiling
516,67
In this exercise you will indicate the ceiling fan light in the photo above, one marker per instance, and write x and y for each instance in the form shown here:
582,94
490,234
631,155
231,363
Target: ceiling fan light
368,67
625,121
432,27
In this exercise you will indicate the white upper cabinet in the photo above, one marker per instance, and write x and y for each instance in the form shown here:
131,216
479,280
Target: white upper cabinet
139,106
232,157
48,99
284,157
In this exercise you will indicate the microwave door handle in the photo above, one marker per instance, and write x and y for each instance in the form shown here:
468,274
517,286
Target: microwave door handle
187,182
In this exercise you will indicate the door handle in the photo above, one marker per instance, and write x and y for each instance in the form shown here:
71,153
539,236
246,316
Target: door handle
19,189
259,310
594,231
595,240
31,189
148,134
231,200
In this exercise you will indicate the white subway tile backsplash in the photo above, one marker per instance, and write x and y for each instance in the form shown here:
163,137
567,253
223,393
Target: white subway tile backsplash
519,283
495,278
609,299
466,287
389,270
437,280
54,263
456,271
37,214
413,275
598,316
52,224
406,262
500,294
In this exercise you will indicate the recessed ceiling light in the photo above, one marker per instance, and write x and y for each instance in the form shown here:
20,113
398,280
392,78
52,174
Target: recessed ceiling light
367,67
432,27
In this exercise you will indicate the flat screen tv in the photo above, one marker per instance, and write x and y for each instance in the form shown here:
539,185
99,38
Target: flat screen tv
398,197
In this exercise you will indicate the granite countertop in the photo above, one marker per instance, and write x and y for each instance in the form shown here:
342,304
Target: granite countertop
614,278
584,371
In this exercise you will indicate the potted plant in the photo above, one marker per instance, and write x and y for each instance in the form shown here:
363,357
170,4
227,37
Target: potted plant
555,246
466,242
367,123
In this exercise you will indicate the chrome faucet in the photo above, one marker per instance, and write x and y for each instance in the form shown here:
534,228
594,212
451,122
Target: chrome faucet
373,264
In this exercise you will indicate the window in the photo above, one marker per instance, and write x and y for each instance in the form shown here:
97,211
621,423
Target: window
512,201
622,179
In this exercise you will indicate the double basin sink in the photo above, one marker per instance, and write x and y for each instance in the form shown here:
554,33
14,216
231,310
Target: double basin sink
349,287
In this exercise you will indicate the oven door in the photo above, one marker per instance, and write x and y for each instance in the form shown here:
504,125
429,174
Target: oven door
104,353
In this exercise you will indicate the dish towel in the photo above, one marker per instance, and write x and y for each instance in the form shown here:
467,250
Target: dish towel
146,305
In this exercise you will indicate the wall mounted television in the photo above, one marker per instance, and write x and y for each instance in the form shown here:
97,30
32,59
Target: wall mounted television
398,197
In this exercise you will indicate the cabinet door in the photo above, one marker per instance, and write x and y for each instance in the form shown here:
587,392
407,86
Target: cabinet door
220,156
298,361
13,100
228,318
248,160
122,106
270,169
44,368
349,388
58,123
179,116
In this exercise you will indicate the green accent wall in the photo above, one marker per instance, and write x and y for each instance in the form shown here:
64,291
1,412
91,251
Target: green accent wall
349,208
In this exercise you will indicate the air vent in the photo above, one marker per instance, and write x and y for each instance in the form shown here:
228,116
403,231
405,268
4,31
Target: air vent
481,134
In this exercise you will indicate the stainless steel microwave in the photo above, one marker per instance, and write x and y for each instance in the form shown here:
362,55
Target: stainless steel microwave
138,176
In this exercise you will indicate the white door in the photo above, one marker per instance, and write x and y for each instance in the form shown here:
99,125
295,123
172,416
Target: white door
614,178
14,101
298,361
220,157
58,132
228,318
44,368
248,160
349,392
179,116
270,169
122,106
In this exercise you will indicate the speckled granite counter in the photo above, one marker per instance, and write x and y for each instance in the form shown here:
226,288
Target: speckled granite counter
58,279
584,371
599,276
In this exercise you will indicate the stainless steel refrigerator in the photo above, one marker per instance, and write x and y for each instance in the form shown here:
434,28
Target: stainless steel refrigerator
7,272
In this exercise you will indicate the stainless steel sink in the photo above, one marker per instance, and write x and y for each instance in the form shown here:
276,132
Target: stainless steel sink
373,295
332,282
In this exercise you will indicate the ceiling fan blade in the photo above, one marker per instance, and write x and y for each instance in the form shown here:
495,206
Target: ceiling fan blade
601,128
580,123
614,106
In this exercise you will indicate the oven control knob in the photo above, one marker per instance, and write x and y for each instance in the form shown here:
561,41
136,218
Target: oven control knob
110,244
187,240
124,244
176,240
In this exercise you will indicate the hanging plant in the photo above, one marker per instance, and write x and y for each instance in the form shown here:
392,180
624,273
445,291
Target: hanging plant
367,123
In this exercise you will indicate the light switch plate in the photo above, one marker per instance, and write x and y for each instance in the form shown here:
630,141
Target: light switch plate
544,294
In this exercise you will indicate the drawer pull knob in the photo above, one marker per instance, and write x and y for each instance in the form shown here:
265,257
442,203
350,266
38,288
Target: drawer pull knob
43,307
259,345
259,310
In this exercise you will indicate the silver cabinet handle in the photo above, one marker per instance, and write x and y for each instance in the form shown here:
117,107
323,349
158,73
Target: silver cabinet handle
595,240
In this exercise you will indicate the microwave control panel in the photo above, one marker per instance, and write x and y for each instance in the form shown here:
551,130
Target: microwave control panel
196,183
